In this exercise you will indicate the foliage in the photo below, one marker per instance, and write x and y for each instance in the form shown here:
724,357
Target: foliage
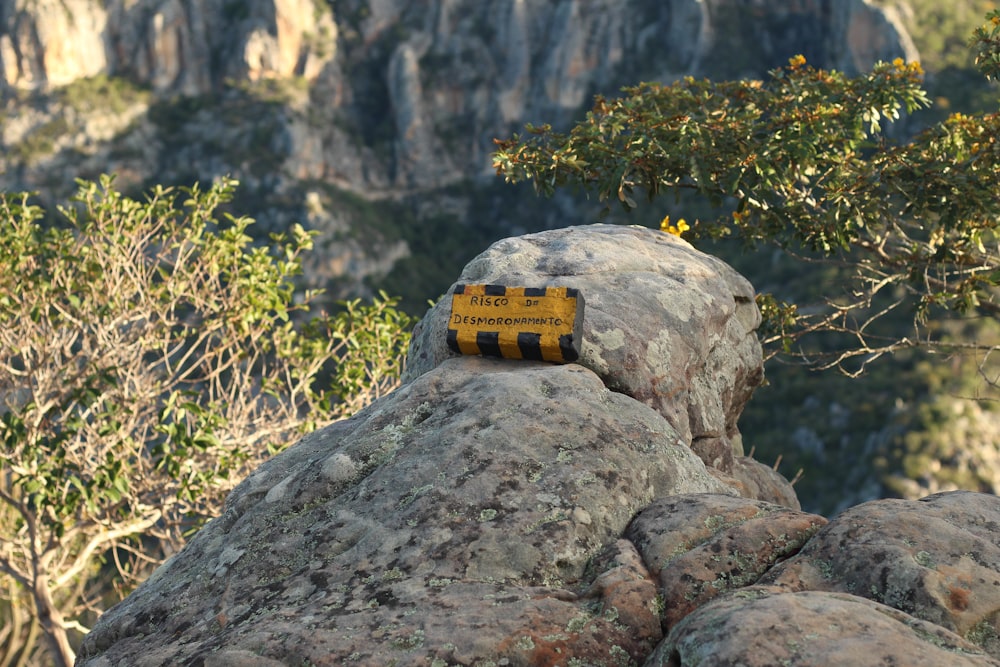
799,161
946,441
941,32
102,93
150,357
677,229
52,123
986,43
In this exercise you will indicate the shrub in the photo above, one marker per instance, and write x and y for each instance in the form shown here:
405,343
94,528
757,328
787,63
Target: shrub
150,356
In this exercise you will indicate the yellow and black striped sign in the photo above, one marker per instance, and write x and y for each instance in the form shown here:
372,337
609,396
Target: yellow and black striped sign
541,323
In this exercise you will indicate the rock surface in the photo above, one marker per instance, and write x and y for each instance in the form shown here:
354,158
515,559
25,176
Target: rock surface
169,45
753,479
453,520
700,546
189,47
937,559
889,582
760,627
508,512
663,323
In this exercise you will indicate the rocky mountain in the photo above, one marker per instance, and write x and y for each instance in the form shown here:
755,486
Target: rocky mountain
371,122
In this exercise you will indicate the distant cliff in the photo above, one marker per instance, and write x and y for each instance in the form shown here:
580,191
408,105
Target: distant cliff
322,108
418,90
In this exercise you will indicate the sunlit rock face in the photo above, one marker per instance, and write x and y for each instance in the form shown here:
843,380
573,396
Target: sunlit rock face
170,45
665,324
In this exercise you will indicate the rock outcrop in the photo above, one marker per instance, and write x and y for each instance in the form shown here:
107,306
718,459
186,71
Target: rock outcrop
191,46
757,627
173,46
665,324
454,521
510,512
937,559
888,582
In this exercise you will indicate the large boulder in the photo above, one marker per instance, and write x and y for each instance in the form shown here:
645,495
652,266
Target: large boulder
700,546
452,521
889,582
664,323
937,559
763,627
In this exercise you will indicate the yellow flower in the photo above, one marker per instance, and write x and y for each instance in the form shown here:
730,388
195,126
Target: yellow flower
995,20
797,61
902,66
678,229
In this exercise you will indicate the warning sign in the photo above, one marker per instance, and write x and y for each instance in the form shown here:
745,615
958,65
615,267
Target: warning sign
541,323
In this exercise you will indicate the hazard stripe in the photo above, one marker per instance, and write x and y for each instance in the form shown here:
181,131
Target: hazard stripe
538,323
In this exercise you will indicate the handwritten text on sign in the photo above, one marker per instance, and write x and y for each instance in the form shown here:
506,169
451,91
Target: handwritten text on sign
542,323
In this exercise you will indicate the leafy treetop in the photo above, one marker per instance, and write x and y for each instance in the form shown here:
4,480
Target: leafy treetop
801,161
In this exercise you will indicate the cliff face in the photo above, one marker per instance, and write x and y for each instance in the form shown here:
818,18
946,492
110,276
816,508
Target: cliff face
515,512
173,46
429,84
320,108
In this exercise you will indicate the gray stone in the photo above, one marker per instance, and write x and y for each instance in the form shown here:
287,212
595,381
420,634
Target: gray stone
755,480
763,627
937,559
452,520
664,323
700,546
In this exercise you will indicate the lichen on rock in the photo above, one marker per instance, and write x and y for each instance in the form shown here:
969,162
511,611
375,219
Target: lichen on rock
665,324
453,506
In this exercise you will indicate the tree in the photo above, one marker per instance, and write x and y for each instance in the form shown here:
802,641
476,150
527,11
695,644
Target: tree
800,161
150,357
